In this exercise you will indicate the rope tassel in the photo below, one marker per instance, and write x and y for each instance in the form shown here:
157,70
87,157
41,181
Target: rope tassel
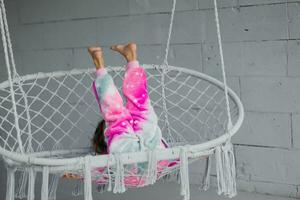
119,177
10,191
87,179
152,167
45,183
31,184
184,174
225,166
206,178
21,188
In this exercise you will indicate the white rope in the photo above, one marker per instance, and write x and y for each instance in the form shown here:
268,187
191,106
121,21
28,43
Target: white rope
120,175
10,190
225,167
23,180
165,62
206,178
184,174
109,174
229,126
152,166
164,71
87,178
45,183
31,184
4,42
53,186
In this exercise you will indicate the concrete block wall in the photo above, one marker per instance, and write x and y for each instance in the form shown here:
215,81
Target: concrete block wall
261,45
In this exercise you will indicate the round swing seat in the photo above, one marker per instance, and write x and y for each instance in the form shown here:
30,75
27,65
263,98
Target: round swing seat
64,113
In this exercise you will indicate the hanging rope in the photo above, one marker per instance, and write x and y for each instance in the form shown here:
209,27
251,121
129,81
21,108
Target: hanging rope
164,71
4,42
15,75
165,62
229,125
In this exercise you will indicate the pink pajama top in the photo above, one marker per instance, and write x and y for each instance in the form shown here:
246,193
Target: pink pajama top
133,126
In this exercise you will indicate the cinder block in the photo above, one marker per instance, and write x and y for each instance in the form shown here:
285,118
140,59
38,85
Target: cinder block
150,29
154,6
266,22
294,21
150,54
204,4
33,11
293,58
247,58
81,59
278,94
265,129
29,37
45,61
186,56
268,188
70,34
268,164
189,27
296,130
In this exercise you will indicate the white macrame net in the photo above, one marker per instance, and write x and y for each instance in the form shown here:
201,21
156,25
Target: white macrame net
64,112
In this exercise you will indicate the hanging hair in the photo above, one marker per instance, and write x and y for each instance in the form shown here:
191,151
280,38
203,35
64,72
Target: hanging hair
98,142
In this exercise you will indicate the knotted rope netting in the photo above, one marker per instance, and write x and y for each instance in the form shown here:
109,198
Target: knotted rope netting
47,121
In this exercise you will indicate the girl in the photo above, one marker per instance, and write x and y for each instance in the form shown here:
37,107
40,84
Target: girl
128,128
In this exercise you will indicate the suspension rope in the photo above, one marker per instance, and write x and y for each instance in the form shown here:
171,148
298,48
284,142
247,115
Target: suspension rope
165,62
165,70
5,47
229,125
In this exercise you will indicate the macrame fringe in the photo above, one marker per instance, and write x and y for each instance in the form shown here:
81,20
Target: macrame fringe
78,189
10,191
225,166
184,174
53,186
31,183
152,167
45,183
87,179
21,188
109,175
206,177
119,176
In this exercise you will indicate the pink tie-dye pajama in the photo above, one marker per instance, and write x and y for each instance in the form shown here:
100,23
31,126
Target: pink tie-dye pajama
132,127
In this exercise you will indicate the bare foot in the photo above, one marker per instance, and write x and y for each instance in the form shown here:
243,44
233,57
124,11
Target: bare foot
97,56
128,51
71,176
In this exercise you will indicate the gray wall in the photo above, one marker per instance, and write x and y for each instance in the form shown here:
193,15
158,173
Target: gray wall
261,53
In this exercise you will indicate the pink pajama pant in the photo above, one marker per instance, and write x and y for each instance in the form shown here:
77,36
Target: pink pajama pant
132,127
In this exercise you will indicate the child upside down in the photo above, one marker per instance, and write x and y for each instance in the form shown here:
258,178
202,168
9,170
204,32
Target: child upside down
130,128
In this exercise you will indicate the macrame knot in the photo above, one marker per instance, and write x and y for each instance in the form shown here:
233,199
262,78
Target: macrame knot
225,166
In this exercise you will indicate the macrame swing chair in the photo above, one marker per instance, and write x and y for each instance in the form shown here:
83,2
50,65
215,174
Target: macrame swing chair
47,121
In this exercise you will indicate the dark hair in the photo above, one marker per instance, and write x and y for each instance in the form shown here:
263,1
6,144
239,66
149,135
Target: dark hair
98,141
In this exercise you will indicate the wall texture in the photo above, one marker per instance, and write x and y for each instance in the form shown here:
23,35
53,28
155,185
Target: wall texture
261,44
